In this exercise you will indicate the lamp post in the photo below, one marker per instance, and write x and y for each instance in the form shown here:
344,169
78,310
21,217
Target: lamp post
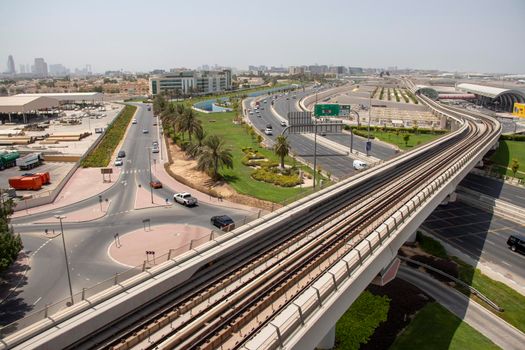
65,257
150,177
352,133
315,142
369,112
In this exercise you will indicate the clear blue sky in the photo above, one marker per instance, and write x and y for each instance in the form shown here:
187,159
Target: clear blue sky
455,35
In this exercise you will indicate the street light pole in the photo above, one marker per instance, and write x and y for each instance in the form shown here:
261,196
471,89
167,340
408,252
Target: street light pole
369,112
65,256
150,178
315,142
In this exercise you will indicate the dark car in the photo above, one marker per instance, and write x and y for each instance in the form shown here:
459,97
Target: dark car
121,154
223,222
516,244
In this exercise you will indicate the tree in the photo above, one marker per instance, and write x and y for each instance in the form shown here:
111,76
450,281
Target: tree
259,139
195,148
514,166
10,244
188,122
406,137
159,103
281,148
214,155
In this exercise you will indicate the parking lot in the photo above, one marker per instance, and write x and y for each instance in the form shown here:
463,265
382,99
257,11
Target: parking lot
480,234
59,126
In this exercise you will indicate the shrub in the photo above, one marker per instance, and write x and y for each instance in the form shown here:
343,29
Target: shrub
431,246
271,174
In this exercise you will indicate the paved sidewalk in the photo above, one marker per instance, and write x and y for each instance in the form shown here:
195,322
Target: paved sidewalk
90,213
130,248
500,332
143,199
85,183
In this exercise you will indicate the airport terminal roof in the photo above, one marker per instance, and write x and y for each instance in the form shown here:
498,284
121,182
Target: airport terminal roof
24,104
487,91
70,96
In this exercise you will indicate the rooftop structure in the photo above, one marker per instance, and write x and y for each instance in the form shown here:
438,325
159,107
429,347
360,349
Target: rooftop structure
190,82
490,96
25,104
69,96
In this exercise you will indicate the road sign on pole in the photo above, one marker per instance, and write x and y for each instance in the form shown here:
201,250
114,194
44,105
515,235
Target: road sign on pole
344,110
326,110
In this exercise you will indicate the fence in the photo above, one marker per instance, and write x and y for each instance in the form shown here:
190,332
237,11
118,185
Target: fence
119,277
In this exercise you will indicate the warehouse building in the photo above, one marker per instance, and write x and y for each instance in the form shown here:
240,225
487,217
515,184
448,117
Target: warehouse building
21,108
70,97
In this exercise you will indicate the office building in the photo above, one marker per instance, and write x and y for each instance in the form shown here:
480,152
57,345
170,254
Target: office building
40,68
22,69
190,82
58,70
11,65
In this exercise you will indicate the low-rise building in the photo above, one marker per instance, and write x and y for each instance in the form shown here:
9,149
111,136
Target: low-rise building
190,82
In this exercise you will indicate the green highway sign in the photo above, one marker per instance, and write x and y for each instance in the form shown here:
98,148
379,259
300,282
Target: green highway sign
326,110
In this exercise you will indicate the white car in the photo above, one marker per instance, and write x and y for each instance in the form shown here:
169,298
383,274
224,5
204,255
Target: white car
268,131
359,165
186,199
134,121
145,131
283,123
118,162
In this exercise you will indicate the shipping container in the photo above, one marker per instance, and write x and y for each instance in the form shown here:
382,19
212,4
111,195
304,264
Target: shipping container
26,182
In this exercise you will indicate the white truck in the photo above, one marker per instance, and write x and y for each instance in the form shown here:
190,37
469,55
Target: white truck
30,161
185,198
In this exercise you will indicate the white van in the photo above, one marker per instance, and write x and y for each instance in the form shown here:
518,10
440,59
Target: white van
359,165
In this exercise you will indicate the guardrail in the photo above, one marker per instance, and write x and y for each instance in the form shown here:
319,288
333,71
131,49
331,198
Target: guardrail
297,314
452,278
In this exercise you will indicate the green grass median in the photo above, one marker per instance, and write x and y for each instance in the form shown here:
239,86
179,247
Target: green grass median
236,138
101,155
436,328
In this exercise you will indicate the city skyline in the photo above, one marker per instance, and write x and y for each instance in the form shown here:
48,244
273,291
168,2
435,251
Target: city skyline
463,37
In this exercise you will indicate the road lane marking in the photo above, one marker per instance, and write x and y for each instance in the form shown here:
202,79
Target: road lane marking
37,301
504,262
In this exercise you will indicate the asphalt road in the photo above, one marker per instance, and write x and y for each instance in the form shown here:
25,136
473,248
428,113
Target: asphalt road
88,242
339,165
495,188
478,234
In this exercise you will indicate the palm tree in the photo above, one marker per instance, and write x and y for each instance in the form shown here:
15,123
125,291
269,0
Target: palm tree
214,155
195,148
281,148
188,122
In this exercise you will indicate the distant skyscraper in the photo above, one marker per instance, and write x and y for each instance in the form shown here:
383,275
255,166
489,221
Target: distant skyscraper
57,70
40,67
28,68
11,65
22,68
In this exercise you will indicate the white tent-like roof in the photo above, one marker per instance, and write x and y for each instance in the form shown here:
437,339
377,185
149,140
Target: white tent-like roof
70,96
24,104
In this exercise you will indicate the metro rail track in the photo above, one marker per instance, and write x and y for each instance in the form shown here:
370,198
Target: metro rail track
231,305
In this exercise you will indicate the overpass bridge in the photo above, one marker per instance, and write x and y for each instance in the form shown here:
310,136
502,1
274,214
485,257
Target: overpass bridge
284,279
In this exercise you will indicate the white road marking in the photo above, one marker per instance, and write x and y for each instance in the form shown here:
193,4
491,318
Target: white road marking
504,262
37,301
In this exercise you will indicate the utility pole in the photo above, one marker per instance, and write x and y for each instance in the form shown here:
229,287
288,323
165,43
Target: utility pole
315,142
65,257
369,113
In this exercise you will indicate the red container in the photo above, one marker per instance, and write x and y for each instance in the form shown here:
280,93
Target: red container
26,182
46,178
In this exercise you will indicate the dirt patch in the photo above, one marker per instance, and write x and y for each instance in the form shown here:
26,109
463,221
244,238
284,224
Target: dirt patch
184,168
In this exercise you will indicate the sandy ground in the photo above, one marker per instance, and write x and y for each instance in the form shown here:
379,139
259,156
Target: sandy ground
184,167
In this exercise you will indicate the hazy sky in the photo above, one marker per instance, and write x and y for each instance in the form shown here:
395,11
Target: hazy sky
455,35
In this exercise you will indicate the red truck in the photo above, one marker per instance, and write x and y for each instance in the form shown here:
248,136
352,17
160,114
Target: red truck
26,182
30,181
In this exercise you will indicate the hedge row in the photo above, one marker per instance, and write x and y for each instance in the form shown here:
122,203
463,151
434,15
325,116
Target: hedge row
267,174
512,137
101,155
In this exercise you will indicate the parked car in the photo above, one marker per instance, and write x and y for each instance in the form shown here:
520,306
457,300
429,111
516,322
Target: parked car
121,154
185,198
223,222
155,184
118,162
516,243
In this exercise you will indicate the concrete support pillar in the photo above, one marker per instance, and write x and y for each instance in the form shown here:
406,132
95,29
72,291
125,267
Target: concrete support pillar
328,342
412,238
